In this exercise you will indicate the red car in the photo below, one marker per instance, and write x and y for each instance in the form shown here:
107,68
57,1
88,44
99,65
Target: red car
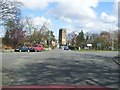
38,47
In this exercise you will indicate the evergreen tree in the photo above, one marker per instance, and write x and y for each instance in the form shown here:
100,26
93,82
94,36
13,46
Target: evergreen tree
80,39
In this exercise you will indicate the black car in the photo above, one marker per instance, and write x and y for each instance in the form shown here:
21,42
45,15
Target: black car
24,49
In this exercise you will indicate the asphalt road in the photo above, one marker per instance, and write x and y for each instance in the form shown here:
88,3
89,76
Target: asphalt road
59,67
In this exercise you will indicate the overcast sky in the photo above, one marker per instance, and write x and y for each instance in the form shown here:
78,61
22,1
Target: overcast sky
74,15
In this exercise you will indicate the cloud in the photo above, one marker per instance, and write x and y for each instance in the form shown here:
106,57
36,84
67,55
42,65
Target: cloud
89,25
39,21
80,15
69,28
76,15
35,4
65,19
98,26
75,9
107,18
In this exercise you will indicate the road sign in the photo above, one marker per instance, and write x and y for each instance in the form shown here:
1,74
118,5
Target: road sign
89,45
98,44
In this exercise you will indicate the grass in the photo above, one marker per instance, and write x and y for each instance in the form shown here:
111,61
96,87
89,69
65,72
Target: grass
92,50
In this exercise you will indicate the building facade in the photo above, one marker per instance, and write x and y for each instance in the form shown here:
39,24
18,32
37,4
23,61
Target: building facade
62,36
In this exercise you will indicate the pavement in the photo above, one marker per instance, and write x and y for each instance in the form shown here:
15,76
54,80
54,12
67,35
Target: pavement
59,67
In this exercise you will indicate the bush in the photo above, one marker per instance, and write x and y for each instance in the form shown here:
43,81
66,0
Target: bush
72,47
46,46
53,47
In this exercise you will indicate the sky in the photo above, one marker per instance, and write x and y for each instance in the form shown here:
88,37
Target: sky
91,16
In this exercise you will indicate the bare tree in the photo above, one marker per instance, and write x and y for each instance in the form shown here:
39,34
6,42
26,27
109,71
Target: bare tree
29,25
10,15
71,37
9,9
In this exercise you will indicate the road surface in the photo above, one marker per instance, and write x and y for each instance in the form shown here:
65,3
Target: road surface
59,67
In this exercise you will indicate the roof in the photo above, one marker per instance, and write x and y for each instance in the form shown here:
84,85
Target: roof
90,41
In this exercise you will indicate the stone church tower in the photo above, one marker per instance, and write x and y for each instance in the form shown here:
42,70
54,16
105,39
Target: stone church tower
62,36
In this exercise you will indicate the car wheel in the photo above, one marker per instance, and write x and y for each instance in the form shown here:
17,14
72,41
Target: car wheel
20,51
28,50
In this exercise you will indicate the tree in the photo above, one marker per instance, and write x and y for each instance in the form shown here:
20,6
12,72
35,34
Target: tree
99,40
71,37
52,37
104,39
6,40
11,17
117,40
43,36
9,9
30,30
94,36
14,34
80,39
29,25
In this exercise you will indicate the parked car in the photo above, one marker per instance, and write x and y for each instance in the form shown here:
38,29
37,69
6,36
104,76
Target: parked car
24,49
38,47
66,48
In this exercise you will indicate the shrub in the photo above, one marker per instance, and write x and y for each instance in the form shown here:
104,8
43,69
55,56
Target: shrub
46,46
53,47
72,47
